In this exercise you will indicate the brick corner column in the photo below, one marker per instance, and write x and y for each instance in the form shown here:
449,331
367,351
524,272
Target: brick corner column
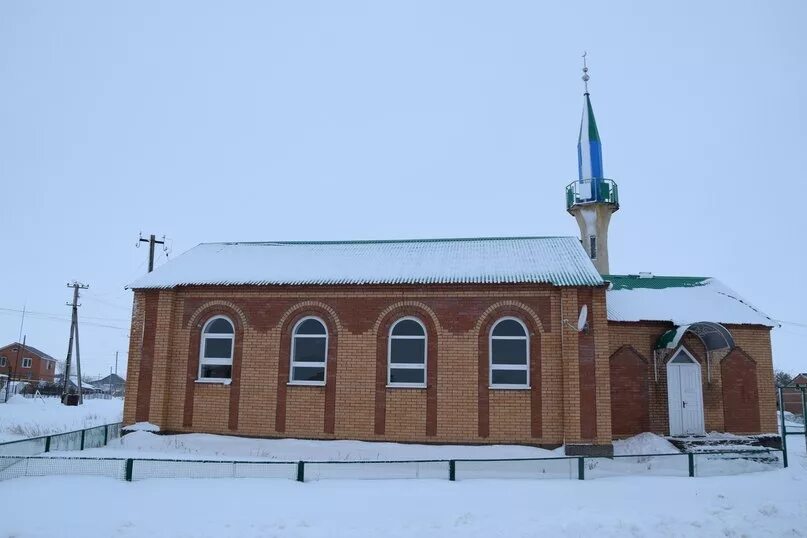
571,368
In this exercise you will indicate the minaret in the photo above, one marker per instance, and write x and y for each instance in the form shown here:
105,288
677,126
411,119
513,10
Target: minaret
592,198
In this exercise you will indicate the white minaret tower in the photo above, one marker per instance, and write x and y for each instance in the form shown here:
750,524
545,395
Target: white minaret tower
592,198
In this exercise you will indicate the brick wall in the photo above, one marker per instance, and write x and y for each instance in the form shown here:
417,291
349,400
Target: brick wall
752,341
740,393
355,403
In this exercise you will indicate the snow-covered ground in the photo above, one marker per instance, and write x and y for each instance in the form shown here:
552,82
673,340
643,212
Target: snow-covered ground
199,446
21,418
771,503
759,504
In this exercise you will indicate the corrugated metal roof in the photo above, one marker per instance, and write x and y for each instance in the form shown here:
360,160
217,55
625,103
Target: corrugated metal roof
680,300
553,260
633,282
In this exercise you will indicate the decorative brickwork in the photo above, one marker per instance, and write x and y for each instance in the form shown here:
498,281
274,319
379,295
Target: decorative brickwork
740,394
630,405
753,340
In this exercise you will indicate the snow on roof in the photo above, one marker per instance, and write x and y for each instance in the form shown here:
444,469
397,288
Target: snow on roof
681,300
553,260
31,349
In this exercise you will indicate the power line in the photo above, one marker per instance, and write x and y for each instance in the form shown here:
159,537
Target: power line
50,317
57,316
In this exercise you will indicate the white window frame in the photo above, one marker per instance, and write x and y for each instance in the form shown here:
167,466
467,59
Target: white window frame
518,367
30,362
293,363
215,362
408,366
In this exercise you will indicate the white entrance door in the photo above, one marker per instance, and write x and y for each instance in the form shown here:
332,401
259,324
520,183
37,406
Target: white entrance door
684,394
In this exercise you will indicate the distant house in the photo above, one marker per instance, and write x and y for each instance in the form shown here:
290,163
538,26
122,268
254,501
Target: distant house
26,362
86,388
111,384
792,396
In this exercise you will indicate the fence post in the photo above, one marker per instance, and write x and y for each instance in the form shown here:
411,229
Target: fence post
300,471
452,470
581,468
106,434
129,468
82,439
47,443
691,458
782,421
804,412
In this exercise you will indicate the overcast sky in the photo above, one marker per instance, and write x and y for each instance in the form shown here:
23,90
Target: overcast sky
249,121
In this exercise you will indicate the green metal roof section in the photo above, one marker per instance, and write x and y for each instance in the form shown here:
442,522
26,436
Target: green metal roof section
653,282
593,133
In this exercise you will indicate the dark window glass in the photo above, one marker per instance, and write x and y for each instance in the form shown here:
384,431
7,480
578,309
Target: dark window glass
509,377
218,348
309,349
220,326
407,351
406,375
682,358
310,326
308,373
593,247
408,327
509,351
509,327
214,370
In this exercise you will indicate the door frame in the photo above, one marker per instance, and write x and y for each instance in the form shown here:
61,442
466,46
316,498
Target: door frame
678,400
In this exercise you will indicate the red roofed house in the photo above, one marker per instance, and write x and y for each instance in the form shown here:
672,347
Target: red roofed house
26,362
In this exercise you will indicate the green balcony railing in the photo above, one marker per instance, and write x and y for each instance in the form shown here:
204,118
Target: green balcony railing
589,191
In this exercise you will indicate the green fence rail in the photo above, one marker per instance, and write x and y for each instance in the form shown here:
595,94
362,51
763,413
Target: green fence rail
94,437
565,467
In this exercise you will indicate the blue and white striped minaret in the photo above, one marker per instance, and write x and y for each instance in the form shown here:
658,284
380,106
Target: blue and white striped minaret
589,147
592,198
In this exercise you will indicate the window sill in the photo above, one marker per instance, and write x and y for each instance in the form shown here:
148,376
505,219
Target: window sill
214,381
305,384
404,386
509,387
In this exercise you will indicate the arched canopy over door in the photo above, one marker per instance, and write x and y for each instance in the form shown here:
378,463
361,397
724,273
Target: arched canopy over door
714,336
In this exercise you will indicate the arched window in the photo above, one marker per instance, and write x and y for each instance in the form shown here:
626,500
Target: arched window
406,354
216,354
309,352
509,354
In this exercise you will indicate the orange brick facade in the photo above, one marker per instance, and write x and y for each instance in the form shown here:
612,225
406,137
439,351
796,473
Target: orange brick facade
572,375
738,388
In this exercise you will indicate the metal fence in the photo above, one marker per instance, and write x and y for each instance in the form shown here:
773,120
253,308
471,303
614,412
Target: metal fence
792,412
576,468
94,437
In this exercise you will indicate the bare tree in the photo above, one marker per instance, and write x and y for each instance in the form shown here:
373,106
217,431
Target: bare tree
782,378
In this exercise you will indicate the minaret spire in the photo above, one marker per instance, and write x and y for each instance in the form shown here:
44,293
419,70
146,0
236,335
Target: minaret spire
589,147
592,198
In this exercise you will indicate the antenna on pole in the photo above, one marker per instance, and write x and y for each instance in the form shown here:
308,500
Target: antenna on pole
585,76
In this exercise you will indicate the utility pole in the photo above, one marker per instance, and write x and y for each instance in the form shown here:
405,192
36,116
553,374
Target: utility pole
116,363
73,335
151,241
